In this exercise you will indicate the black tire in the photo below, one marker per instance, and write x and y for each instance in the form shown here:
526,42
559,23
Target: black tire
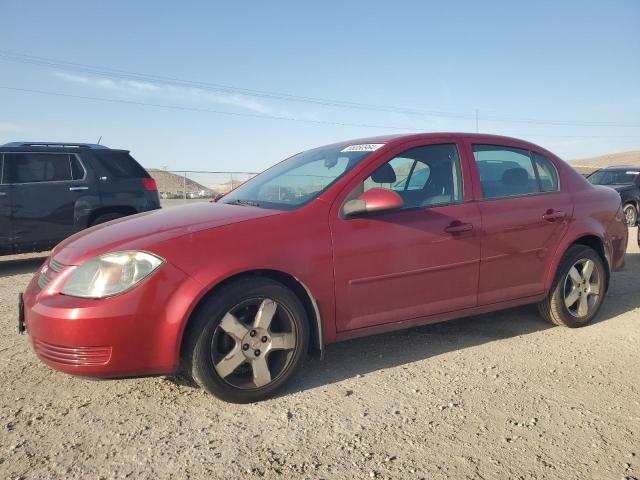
630,214
107,217
554,308
206,337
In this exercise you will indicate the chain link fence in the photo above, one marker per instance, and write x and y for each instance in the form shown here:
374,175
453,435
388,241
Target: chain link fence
187,185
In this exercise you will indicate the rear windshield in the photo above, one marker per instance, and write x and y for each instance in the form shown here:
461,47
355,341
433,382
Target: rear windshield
119,164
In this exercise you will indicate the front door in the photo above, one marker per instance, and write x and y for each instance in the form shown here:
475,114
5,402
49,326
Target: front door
6,244
415,262
44,196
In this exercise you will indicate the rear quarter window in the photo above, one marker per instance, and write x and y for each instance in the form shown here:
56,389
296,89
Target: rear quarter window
119,165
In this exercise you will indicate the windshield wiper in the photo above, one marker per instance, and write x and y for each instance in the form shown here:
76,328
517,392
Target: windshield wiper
246,203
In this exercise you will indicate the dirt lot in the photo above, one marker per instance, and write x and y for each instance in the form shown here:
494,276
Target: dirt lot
496,396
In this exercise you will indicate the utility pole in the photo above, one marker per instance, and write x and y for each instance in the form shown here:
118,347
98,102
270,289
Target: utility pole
477,128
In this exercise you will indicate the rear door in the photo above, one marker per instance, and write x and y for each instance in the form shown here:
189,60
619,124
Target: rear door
525,213
45,189
5,213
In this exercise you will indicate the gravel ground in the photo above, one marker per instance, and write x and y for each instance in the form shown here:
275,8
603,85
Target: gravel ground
495,396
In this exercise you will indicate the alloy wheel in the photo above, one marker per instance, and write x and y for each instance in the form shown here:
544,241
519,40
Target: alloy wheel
582,288
254,343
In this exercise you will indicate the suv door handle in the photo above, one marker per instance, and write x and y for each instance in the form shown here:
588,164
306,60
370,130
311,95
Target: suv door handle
458,227
552,215
75,189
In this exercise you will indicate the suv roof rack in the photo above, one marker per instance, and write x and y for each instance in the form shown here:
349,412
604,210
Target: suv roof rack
55,144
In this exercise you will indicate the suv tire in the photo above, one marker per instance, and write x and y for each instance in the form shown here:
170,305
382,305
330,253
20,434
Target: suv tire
630,214
107,217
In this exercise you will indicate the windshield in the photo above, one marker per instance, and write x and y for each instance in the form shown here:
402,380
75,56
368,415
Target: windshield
614,177
299,179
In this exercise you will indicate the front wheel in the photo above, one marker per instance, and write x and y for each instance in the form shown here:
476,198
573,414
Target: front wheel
247,340
630,214
578,289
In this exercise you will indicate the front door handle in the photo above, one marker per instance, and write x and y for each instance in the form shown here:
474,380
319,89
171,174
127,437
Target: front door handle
552,215
76,189
2,194
458,227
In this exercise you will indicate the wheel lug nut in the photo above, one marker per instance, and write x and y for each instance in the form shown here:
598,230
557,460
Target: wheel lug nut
264,339
252,333
257,352
245,346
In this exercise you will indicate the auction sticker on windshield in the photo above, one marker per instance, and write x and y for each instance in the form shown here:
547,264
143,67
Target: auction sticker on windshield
365,147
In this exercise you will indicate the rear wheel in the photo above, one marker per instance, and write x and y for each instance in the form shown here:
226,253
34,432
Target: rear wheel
630,214
248,340
107,217
578,288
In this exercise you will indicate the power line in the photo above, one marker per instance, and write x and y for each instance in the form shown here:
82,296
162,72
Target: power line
124,74
201,110
262,116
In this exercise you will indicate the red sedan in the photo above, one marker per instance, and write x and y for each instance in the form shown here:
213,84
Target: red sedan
341,241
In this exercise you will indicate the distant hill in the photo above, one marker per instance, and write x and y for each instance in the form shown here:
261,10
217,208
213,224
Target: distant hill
171,182
588,165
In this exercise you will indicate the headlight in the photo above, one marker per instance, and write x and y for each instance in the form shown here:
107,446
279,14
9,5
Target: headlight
110,274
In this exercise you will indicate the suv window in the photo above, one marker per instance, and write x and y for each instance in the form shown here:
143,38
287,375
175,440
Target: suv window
510,172
422,176
119,164
41,167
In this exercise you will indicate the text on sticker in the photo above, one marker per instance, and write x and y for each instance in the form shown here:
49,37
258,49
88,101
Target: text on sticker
365,147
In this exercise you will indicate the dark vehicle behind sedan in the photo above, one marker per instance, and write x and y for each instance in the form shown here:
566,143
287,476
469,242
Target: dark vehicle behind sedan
49,191
626,181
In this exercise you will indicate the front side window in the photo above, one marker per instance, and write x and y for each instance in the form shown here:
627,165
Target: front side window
423,176
299,179
512,172
37,167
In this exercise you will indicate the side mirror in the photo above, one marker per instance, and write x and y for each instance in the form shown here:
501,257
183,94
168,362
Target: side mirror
374,200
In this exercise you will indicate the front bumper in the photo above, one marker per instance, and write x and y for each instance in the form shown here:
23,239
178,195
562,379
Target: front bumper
136,333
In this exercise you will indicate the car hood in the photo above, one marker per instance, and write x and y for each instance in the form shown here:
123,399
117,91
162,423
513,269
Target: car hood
143,231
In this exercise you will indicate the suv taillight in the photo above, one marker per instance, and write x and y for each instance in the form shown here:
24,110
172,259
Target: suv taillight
149,184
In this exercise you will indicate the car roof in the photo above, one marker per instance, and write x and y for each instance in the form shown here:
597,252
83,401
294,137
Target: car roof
401,138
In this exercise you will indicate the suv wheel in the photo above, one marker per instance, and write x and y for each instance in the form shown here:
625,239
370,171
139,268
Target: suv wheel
630,214
578,288
107,217
248,339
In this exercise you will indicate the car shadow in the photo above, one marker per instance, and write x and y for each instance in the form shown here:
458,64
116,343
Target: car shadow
361,356
21,266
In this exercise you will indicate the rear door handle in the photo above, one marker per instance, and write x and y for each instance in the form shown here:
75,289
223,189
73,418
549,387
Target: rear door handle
552,215
76,189
2,194
458,227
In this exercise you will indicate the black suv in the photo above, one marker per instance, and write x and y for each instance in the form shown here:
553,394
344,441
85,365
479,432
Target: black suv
626,180
49,191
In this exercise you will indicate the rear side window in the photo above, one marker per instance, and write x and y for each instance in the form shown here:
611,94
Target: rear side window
546,173
40,167
512,172
119,164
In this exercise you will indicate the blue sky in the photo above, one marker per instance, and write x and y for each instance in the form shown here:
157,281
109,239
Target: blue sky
549,61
